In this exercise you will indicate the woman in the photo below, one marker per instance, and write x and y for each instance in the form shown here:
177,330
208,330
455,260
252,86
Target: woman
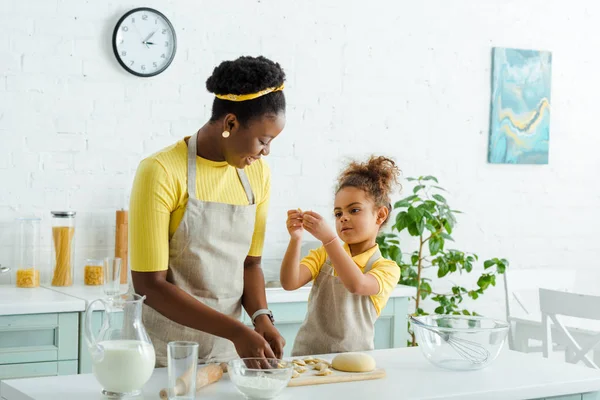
197,221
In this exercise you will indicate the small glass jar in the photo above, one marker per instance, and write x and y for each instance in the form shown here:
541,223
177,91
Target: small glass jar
27,267
63,247
93,272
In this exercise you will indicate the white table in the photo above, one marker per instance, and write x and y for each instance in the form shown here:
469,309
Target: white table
514,375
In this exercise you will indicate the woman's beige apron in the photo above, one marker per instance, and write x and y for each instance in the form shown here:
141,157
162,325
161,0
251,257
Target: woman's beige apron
337,321
206,259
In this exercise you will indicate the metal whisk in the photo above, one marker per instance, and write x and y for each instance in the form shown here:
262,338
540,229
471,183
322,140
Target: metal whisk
469,350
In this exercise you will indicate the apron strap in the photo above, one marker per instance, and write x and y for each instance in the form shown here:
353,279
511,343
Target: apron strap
191,164
246,184
327,267
376,256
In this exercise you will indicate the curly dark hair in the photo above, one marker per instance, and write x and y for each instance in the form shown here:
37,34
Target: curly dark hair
376,177
246,75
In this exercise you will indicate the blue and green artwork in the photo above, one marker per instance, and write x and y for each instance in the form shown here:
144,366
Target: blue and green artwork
520,120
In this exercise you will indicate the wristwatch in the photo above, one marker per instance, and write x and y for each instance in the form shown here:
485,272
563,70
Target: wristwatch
263,311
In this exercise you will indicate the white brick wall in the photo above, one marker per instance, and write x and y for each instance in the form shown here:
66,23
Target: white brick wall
406,79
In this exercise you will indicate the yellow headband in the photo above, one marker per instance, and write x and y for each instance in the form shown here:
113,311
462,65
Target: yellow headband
250,96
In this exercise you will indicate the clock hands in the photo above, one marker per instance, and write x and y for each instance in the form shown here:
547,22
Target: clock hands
146,42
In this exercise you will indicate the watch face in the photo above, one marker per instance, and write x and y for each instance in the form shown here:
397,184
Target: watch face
144,42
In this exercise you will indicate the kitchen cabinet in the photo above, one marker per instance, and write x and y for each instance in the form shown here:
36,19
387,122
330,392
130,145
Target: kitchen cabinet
38,332
34,345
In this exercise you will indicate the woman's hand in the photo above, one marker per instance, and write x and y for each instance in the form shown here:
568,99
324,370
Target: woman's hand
266,329
250,344
316,226
294,224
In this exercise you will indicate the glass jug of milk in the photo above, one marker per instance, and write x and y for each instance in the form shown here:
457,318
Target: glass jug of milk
122,354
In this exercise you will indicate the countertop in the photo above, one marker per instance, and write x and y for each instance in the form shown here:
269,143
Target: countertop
16,301
409,376
50,299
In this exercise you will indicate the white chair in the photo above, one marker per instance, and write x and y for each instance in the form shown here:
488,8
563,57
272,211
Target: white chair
578,342
522,303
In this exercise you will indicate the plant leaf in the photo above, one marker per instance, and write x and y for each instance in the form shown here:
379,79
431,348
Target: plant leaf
439,198
405,202
446,236
417,188
402,221
430,178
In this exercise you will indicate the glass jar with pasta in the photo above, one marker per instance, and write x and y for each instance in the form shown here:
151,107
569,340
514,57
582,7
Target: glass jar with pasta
93,272
63,247
27,271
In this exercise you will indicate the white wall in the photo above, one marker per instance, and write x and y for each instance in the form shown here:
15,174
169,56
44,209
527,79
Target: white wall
406,79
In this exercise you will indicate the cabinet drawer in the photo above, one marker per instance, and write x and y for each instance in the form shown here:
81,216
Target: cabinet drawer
38,337
32,370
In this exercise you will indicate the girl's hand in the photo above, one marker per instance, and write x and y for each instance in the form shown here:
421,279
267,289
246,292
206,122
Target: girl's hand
316,226
294,224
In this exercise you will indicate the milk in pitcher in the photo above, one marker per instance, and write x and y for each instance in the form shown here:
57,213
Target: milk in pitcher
126,365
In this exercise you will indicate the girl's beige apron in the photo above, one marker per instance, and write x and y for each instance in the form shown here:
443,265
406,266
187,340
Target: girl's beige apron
337,321
206,259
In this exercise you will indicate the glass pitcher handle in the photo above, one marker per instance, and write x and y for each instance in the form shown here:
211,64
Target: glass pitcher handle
88,329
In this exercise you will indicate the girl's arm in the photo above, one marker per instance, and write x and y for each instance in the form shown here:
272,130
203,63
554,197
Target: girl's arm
293,275
353,279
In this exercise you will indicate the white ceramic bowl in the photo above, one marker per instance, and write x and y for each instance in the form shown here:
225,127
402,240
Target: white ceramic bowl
258,378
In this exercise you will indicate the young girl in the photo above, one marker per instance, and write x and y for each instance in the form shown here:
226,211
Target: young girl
352,281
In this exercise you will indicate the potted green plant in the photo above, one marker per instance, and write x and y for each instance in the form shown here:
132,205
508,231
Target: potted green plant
427,216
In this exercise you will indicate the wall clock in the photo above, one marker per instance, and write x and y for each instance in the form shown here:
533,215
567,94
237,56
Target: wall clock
144,42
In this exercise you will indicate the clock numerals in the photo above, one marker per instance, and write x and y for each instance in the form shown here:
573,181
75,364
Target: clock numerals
136,43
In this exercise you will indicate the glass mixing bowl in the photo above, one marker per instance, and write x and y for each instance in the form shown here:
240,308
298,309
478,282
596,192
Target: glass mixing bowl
259,378
459,342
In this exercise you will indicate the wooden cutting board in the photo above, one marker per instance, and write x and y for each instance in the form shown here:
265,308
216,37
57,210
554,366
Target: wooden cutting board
309,377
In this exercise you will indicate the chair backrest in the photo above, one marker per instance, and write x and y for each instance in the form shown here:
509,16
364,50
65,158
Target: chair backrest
554,303
521,287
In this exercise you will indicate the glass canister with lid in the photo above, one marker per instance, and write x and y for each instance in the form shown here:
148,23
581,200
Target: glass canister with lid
63,247
27,267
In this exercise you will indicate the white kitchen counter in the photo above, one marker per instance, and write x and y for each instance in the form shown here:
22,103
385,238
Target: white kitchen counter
50,299
409,376
15,301
85,293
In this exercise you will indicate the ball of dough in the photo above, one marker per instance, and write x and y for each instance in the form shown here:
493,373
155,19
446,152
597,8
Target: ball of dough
353,362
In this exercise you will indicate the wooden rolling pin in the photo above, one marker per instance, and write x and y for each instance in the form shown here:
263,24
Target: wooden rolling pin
204,376
121,242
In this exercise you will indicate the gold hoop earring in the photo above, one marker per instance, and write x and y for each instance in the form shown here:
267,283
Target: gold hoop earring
225,134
